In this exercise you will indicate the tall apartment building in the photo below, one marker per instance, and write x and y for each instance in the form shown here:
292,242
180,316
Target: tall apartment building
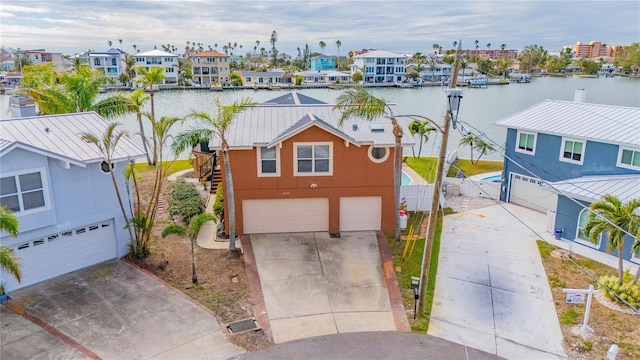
493,53
594,49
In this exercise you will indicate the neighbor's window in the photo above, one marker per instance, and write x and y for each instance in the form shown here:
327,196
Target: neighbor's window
526,143
572,151
22,192
581,236
104,167
378,154
313,159
268,161
629,158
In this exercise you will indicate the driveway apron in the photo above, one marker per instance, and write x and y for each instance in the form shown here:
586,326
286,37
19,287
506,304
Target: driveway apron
316,285
116,311
491,289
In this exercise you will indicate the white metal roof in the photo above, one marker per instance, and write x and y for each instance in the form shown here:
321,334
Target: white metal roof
605,123
60,136
155,52
592,188
380,54
261,125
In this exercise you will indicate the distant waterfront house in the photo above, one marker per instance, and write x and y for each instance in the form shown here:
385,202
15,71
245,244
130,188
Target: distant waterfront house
324,77
160,59
380,66
322,62
40,56
209,67
266,78
60,189
110,62
561,156
436,72
297,170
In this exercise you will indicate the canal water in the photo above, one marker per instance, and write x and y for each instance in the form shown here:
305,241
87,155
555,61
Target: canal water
480,107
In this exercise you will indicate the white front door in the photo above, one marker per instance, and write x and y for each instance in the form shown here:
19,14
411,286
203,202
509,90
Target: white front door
360,213
285,215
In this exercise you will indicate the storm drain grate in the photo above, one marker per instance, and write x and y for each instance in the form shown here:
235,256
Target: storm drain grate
242,325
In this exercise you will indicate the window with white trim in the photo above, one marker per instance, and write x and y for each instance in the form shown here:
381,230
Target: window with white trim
268,161
23,192
526,143
629,158
378,154
572,151
313,158
581,236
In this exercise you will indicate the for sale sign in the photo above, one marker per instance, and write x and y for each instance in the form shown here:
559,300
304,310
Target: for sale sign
574,297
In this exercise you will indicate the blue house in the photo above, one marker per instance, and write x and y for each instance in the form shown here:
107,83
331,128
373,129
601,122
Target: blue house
561,156
61,192
322,62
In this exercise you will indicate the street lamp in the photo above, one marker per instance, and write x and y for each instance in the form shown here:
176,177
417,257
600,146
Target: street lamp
454,97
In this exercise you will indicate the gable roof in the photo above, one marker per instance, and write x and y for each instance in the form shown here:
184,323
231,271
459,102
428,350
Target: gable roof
293,98
60,137
593,188
209,53
155,52
606,123
265,124
380,54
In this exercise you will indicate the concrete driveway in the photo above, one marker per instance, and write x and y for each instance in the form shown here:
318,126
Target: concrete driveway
491,290
110,311
315,285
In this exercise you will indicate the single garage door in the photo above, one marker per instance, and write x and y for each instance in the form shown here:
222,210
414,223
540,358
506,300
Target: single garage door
529,192
285,215
60,253
360,213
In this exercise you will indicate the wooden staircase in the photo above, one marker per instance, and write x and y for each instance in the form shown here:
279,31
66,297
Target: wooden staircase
215,180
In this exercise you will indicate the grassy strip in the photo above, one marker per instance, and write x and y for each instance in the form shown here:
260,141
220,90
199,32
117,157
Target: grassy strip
177,165
410,268
426,167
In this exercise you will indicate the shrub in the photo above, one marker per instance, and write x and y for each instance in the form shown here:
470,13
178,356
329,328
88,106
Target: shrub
568,317
181,190
185,200
627,291
218,205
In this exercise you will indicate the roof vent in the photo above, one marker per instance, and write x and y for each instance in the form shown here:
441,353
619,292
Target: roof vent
580,95
377,128
354,127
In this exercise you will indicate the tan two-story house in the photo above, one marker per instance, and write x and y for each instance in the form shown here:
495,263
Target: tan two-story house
209,68
296,169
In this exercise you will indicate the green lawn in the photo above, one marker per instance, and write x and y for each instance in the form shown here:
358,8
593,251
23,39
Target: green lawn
426,167
177,165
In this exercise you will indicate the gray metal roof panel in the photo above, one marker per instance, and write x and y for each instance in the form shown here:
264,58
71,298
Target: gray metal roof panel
307,121
293,98
599,122
624,187
263,124
62,135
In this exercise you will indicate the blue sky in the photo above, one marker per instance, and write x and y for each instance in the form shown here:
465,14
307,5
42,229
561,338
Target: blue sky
71,26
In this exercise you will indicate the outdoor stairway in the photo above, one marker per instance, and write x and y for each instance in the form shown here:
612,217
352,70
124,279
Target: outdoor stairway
215,180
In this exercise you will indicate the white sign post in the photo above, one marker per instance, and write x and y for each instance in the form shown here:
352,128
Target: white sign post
576,296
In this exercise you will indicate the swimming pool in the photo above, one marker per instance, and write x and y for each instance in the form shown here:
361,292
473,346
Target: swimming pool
494,178
406,180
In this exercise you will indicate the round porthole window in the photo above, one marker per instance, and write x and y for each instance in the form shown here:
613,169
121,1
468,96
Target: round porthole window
378,154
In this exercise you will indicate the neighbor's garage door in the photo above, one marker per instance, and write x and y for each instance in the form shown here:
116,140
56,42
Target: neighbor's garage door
285,215
529,192
60,253
360,213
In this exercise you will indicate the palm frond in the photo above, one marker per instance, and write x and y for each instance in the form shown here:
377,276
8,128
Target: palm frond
188,139
197,222
10,262
174,230
8,222
358,102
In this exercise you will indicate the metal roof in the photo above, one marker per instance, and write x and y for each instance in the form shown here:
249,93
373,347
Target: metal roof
605,123
593,188
380,54
60,136
262,124
306,122
155,52
293,98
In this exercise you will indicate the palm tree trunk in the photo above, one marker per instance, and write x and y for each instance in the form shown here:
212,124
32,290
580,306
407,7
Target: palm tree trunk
194,276
144,138
153,116
230,198
397,174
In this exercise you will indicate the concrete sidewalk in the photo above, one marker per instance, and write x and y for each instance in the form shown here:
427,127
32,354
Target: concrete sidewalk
491,289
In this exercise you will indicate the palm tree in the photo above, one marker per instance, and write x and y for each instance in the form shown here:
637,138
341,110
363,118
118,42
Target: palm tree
8,259
148,78
358,102
477,42
109,42
106,144
120,41
615,218
217,125
138,98
192,232
322,46
477,143
338,44
423,129
435,48
70,92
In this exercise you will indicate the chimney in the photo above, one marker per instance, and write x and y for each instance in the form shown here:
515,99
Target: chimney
580,95
22,106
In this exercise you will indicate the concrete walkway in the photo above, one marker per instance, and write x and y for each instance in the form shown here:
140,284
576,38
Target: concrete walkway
314,285
491,290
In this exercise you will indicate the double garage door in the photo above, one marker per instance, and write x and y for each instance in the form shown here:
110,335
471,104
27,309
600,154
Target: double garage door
63,252
312,214
529,192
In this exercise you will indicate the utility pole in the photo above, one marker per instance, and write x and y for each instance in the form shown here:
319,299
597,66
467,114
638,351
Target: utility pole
437,186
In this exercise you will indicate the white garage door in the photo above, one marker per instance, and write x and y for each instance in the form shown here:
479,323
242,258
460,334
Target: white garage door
360,213
285,215
529,192
50,256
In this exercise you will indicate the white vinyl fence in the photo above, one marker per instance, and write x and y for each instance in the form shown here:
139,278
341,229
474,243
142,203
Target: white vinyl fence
418,196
